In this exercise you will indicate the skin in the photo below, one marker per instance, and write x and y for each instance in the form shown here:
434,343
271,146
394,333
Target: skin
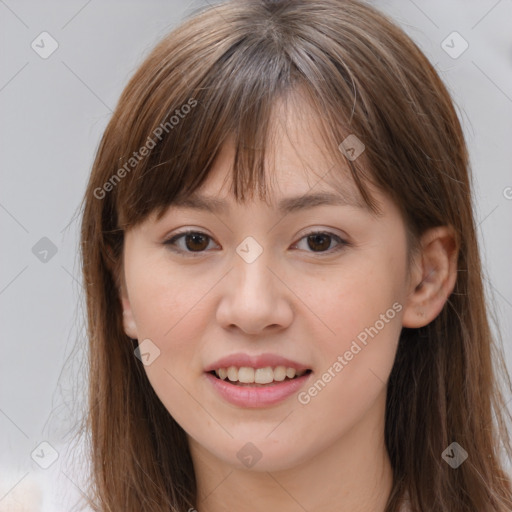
328,454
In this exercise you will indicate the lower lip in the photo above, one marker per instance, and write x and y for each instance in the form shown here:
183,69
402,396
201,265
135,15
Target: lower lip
248,396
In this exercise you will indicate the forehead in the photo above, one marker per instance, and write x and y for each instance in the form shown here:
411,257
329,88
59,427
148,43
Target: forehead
303,167
300,171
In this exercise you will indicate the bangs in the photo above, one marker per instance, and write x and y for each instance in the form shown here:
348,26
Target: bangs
188,114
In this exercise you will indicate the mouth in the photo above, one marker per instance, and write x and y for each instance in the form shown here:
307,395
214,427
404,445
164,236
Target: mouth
258,377
266,387
256,381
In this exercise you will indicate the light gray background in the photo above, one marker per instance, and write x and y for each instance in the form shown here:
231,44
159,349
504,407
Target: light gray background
53,112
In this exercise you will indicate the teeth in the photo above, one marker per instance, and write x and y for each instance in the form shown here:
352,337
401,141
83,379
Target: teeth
280,373
290,372
247,375
262,375
232,374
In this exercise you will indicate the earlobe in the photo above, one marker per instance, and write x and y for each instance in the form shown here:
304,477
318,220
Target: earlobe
435,278
129,325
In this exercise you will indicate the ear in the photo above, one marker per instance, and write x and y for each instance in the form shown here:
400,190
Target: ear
433,277
129,325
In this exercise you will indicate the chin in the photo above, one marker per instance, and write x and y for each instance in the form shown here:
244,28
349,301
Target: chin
262,455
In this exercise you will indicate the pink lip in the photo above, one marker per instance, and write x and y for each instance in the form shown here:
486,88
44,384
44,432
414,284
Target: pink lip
252,397
260,361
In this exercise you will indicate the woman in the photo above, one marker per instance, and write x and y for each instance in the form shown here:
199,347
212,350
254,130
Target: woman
283,283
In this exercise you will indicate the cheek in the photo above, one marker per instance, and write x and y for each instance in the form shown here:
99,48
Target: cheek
167,302
354,362
169,310
356,299
360,309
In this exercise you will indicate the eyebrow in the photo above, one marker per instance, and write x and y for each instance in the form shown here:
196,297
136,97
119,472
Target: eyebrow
284,206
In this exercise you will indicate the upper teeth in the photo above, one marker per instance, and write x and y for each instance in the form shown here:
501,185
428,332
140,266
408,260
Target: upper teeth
265,375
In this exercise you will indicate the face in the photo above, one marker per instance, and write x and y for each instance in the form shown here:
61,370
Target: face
317,288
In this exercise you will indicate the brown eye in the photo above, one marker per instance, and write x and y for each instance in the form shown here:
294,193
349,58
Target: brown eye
320,242
195,242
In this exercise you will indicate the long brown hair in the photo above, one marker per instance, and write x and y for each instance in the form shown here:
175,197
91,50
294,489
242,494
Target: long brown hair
217,76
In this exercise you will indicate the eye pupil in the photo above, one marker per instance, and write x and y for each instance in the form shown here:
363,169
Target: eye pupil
195,237
317,238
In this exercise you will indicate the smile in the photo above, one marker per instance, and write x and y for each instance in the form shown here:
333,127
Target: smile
246,375
244,390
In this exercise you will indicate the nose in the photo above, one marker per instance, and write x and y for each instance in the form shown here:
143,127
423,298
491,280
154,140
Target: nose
255,298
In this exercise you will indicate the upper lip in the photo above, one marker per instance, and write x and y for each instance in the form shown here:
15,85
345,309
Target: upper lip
260,361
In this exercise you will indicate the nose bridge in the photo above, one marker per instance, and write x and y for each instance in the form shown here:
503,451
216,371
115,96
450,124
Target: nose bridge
253,298
251,276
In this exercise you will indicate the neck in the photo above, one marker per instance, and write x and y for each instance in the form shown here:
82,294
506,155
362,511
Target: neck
354,474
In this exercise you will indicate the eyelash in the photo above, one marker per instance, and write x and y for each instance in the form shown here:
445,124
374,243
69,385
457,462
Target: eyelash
172,241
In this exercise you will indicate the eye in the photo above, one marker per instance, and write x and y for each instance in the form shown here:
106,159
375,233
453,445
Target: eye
195,242
320,242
